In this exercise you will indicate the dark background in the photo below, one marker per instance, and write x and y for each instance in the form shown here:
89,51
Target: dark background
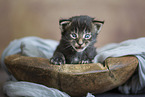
124,19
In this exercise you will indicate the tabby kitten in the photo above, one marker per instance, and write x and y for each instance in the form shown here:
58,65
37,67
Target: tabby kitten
78,35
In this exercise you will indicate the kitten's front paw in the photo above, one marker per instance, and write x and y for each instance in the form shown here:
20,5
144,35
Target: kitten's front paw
57,61
84,62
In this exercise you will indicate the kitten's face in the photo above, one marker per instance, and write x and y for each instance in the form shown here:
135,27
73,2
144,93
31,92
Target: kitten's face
80,40
80,31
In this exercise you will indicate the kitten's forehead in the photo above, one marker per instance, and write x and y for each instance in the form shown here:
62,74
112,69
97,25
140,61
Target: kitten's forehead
77,30
81,22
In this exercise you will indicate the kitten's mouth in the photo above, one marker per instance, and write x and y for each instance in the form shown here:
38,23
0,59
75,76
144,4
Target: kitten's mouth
79,47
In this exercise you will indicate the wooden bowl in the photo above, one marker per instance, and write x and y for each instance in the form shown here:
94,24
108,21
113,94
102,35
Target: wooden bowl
76,80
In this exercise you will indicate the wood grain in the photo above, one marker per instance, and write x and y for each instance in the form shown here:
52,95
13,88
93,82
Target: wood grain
74,79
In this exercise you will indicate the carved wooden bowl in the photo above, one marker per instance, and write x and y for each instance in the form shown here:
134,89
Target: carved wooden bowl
76,80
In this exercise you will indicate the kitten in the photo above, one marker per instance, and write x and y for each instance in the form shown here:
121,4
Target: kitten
78,35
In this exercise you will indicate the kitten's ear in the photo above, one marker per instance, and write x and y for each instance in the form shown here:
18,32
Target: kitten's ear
63,24
98,25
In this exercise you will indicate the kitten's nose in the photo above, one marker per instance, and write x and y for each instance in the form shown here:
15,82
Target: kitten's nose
80,42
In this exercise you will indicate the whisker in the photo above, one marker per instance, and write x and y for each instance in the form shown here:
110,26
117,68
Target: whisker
67,47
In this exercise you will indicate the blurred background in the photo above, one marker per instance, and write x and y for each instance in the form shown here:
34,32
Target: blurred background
124,19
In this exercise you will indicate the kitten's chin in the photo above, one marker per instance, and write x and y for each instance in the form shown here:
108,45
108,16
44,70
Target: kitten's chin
79,50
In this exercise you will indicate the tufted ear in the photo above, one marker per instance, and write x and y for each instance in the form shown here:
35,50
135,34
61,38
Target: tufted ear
63,24
98,25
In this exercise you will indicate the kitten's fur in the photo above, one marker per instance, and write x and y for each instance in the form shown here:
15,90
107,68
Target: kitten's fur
78,35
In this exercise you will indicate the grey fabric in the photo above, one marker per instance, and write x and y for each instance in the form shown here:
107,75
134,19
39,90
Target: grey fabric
27,89
134,47
37,47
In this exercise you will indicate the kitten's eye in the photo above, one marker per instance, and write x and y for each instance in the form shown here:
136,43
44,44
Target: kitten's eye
87,36
73,35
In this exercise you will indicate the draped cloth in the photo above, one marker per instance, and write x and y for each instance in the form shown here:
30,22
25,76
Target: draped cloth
38,47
